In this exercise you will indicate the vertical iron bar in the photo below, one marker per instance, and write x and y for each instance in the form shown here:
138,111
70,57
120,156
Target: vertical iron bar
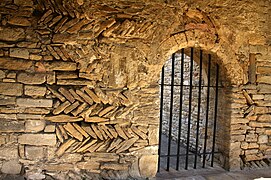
190,107
161,115
215,116
180,112
207,110
171,111
198,116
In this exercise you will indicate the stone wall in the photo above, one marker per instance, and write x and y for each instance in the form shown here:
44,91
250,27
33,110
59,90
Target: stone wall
79,82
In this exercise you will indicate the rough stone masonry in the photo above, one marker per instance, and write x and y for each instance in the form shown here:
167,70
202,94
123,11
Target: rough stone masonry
79,79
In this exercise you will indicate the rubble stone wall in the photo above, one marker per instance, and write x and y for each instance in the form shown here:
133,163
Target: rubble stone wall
79,82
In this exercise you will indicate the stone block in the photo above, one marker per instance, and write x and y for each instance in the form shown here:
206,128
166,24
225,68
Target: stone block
2,74
9,152
11,167
251,137
34,125
29,116
237,138
24,3
251,151
78,82
103,157
252,118
28,102
60,66
239,120
38,139
244,145
58,167
268,132
264,70
34,152
90,165
11,34
19,21
8,116
263,139
14,64
11,126
11,89
11,75
51,78
253,157
35,57
259,124
19,53
50,128
264,118
35,174
29,78
264,79
264,88
9,80
267,97
260,110
2,140
40,111
148,165
34,90
257,96
253,145
114,166
74,157
153,135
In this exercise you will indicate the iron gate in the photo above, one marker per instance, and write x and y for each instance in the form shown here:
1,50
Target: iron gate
188,120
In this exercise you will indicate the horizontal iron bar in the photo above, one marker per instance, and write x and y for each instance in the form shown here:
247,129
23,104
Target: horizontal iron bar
175,155
189,85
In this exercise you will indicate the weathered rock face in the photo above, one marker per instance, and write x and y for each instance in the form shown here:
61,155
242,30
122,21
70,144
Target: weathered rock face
79,81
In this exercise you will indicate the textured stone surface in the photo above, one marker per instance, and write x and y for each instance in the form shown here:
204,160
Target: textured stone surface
28,78
19,21
11,167
11,126
148,165
89,165
11,34
7,100
60,66
27,102
12,89
34,125
9,152
23,3
49,128
117,49
34,90
2,74
38,139
15,64
34,153
19,53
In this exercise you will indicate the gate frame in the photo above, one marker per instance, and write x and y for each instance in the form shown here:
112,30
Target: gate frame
230,69
172,85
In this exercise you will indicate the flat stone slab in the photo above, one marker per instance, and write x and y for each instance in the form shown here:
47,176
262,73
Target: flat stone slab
38,139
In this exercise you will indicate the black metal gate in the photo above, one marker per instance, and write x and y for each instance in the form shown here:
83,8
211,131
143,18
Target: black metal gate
188,111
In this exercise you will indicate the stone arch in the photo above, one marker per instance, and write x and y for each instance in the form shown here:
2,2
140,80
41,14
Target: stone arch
198,29
232,72
225,57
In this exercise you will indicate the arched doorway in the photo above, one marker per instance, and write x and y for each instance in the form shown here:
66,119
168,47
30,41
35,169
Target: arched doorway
191,96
